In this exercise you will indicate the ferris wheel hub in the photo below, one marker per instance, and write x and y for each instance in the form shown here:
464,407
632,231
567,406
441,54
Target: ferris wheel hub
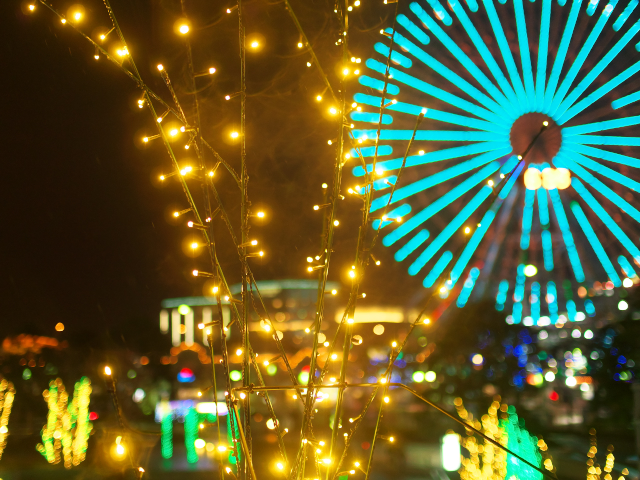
524,130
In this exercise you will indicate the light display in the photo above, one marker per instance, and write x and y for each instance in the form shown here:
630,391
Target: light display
66,433
501,101
7,395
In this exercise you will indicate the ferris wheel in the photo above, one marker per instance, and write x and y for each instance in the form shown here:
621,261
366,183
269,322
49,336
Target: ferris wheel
554,80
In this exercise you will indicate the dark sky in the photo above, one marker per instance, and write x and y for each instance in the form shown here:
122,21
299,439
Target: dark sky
87,238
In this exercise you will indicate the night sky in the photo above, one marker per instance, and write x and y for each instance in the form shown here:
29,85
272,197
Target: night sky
88,238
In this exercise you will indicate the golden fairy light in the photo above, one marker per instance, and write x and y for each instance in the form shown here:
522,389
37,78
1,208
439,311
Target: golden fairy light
7,395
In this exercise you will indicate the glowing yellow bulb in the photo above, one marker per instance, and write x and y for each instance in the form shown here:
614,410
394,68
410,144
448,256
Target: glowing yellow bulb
255,44
145,139
279,464
103,36
173,132
194,245
394,344
377,262
467,230
421,152
391,439
386,399
316,207
234,134
107,370
260,214
333,111
120,449
212,71
96,56
319,98
426,321
261,253
356,72
32,7
309,259
334,292
77,16
345,71
239,352
160,67
490,183
214,289
336,223
299,44
184,29
63,21
352,274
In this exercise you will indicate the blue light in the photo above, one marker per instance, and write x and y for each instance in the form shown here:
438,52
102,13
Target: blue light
589,308
186,375
561,216
449,230
591,6
547,250
604,155
624,15
626,100
501,296
543,49
543,206
440,12
552,301
413,29
535,302
411,245
525,54
437,269
396,57
568,132
371,151
370,117
378,84
452,195
595,244
436,179
571,310
469,283
627,268
527,218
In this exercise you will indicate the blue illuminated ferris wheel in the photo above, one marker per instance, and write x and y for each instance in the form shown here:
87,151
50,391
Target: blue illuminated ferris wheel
488,77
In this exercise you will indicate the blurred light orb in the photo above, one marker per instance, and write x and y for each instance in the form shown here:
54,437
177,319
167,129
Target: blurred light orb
430,376
477,359
59,327
530,270
378,329
622,305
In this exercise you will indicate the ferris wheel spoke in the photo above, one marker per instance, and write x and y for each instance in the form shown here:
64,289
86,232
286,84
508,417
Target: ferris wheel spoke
527,219
435,156
606,218
449,197
462,57
543,50
437,179
596,71
606,155
595,244
505,50
607,140
543,207
617,25
567,236
599,126
561,55
580,59
466,290
413,29
443,95
408,248
627,268
437,269
606,172
599,93
484,51
525,54
450,229
447,74
626,100
396,57
566,160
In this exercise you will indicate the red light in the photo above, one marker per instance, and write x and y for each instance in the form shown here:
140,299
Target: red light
365,445
93,416
553,396
186,372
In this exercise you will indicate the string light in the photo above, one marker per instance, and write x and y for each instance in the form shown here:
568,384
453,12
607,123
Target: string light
184,29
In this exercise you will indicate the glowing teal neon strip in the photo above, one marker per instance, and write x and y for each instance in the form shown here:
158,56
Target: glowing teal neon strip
431,113
473,5
438,93
478,235
600,92
571,310
411,245
436,179
432,136
517,313
483,50
440,203
606,218
505,50
627,268
501,296
525,54
543,49
553,305
599,126
527,218
626,100
595,244
462,57
596,71
379,184
607,140
624,15
561,55
399,212
518,292
543,206
413,29
570,245
371,117
432,157
447,74
580,59
437,269
535,302
591,6
606,172
440,12
605,155
506,168
469,283
396,57
589,308
547,250
565,159
378,84
371,151
450,229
